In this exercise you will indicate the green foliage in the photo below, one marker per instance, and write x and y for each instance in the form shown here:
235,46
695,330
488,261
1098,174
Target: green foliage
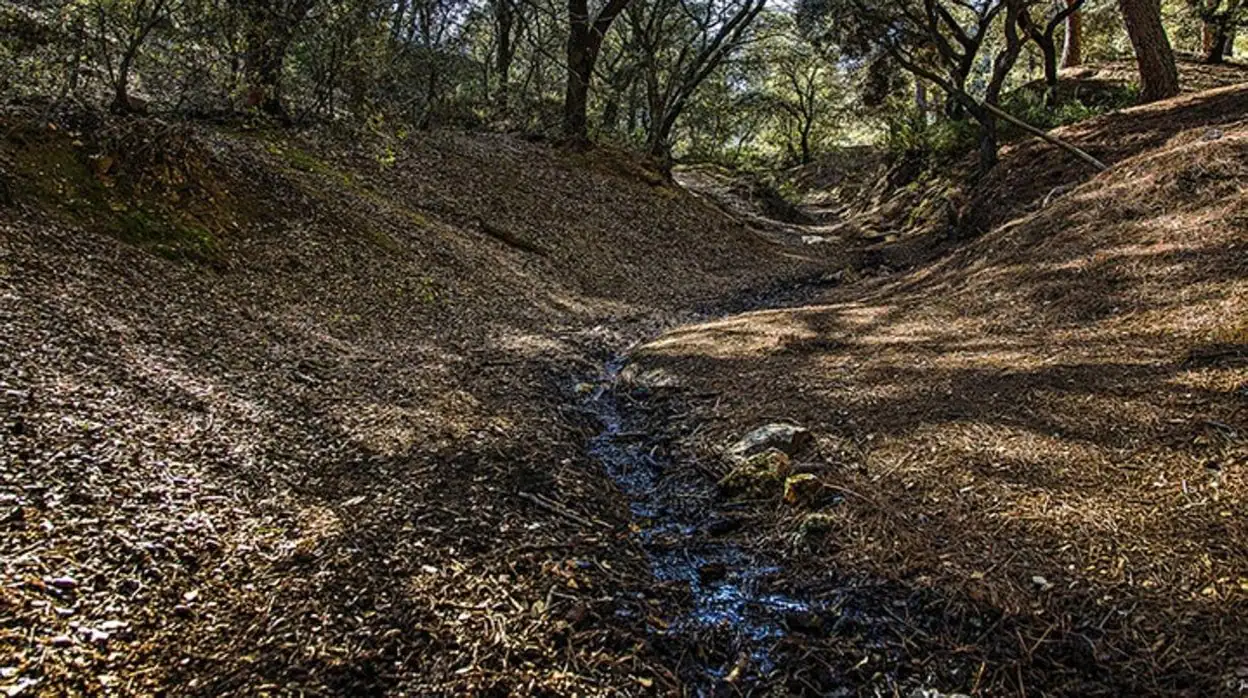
937,139
1028,105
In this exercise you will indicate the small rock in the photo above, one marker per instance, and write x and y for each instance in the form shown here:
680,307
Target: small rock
787,438
182,611
190,596
65,583
61,641
803,489
1041,582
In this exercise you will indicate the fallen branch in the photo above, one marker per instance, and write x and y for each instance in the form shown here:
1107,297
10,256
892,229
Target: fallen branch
998,112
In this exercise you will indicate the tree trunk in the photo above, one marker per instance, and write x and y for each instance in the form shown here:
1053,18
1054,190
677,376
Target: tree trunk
1218,35
576,95
1159,78
1072,47
121,90
584,42
264,78
1215,50
1048,49
504,54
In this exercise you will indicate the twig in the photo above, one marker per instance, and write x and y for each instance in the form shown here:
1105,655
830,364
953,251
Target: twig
556,508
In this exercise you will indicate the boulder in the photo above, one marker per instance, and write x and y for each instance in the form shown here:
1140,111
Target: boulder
789,439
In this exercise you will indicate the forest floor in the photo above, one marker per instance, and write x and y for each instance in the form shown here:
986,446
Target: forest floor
303,414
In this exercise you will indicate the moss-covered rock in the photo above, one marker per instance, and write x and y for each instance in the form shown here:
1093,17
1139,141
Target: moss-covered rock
760,474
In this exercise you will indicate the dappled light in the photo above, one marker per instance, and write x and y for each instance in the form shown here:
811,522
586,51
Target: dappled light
590,348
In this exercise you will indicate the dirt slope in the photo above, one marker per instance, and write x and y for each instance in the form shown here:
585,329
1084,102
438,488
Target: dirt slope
1037,442
283,415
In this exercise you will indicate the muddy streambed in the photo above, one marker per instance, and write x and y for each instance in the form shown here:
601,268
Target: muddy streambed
736,618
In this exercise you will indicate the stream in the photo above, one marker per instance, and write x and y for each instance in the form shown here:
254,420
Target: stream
679,522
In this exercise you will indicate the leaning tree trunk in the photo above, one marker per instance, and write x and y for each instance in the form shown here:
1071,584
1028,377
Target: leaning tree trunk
1159,77
1072,47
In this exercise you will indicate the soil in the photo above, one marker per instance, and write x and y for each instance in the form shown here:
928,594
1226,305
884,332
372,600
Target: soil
1037,442
357,415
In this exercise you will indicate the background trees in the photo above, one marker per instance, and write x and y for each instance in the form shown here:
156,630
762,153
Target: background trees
729,80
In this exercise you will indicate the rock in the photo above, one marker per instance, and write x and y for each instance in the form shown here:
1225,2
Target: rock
787,438
61,641
760,474
807,490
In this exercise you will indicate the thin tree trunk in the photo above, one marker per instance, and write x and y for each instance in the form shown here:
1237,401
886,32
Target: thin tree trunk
504,55
576,97
1048,48
1159,77
121,94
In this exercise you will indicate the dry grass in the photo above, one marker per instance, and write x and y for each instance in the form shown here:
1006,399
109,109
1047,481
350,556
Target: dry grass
1048,430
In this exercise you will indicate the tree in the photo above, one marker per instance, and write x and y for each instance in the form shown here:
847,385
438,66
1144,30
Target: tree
800,87
679,43
122,27
1159,76
585,35
934,41
1219,20
1043,36
269,29
504,13
1072,44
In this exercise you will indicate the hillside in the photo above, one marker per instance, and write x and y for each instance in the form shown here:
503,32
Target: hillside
1035,445
437,413
268,402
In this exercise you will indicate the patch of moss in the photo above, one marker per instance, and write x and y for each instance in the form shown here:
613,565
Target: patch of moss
761,474
815,525
64,179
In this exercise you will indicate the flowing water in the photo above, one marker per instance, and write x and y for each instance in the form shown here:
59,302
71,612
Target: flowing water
676,516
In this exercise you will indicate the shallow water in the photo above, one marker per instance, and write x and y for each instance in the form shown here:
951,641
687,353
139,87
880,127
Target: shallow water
672,508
